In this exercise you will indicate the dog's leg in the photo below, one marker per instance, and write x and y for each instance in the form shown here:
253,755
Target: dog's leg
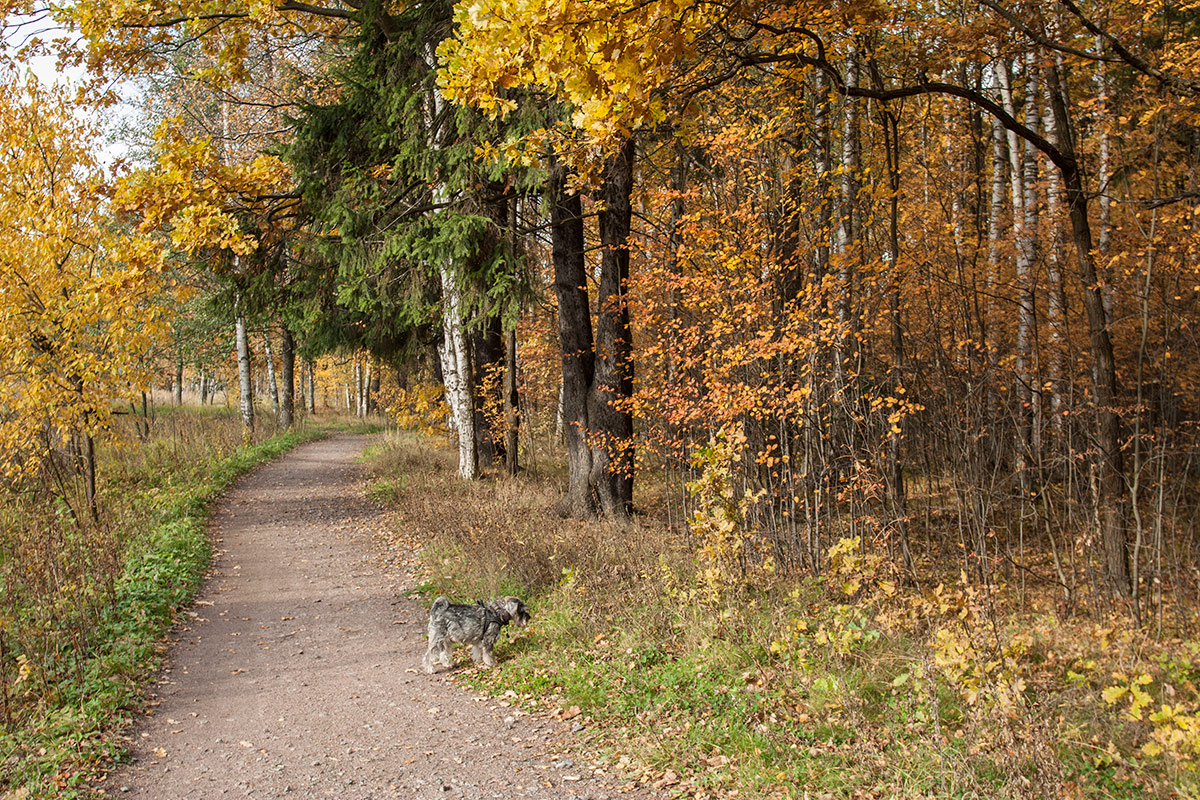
489,660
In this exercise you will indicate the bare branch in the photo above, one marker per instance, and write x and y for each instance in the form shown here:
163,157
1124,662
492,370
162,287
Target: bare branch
1137,62
1045,41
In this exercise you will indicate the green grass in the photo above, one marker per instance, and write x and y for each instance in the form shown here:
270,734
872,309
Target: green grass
69,734
717,694
723,715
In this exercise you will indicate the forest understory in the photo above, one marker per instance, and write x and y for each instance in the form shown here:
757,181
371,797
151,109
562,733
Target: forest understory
711,682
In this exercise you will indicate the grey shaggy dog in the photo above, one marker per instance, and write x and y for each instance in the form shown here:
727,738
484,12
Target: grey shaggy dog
475,624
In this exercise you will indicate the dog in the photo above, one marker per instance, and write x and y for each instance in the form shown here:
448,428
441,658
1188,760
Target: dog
476,624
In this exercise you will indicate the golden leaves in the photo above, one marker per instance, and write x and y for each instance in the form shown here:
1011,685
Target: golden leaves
607,58
197,197
73,293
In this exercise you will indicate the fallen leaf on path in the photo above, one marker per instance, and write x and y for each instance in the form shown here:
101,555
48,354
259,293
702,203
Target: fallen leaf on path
669,778
566,713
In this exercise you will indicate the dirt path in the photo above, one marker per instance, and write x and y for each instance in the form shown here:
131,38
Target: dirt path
297,674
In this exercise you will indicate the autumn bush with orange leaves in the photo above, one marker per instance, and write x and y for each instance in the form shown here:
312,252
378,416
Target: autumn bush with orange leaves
418,407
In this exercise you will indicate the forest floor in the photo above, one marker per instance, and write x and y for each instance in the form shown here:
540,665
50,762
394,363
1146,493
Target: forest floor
297,671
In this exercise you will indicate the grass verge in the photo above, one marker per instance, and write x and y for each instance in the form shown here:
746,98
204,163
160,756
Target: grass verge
157,499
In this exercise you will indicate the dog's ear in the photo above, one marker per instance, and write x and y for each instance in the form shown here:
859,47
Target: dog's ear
515,608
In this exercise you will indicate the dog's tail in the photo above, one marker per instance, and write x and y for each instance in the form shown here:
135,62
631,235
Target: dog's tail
441,604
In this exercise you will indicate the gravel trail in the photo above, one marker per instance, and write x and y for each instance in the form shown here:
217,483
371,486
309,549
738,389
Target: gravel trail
297,674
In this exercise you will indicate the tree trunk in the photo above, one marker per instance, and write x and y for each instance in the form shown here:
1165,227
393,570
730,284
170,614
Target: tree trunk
312,386
512,413
457,365
1019,156
1104,174
358,388
847,220
179,380
823,166
272,384
246,401
512,407
458,375
1030,370
1110,479
996,442
89,475
612,386
575,339
1056,310
560,432
364,393
287,398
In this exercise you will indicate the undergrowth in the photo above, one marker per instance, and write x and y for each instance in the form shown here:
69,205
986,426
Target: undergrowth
77,651
703,679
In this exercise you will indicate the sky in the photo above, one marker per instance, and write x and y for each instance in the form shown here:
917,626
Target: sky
45,69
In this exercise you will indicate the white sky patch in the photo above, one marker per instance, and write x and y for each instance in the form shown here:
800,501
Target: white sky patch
45,68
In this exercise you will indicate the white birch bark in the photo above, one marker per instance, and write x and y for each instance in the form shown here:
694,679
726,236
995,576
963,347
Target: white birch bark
1103,177
995,217
455,350
848,200
1056,311
245,386
457,375
1018,157
849,188
272,384
366,388
358,388
560,431
1027,258
312,387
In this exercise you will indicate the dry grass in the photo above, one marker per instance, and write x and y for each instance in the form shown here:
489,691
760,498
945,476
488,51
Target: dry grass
784,684
500,534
